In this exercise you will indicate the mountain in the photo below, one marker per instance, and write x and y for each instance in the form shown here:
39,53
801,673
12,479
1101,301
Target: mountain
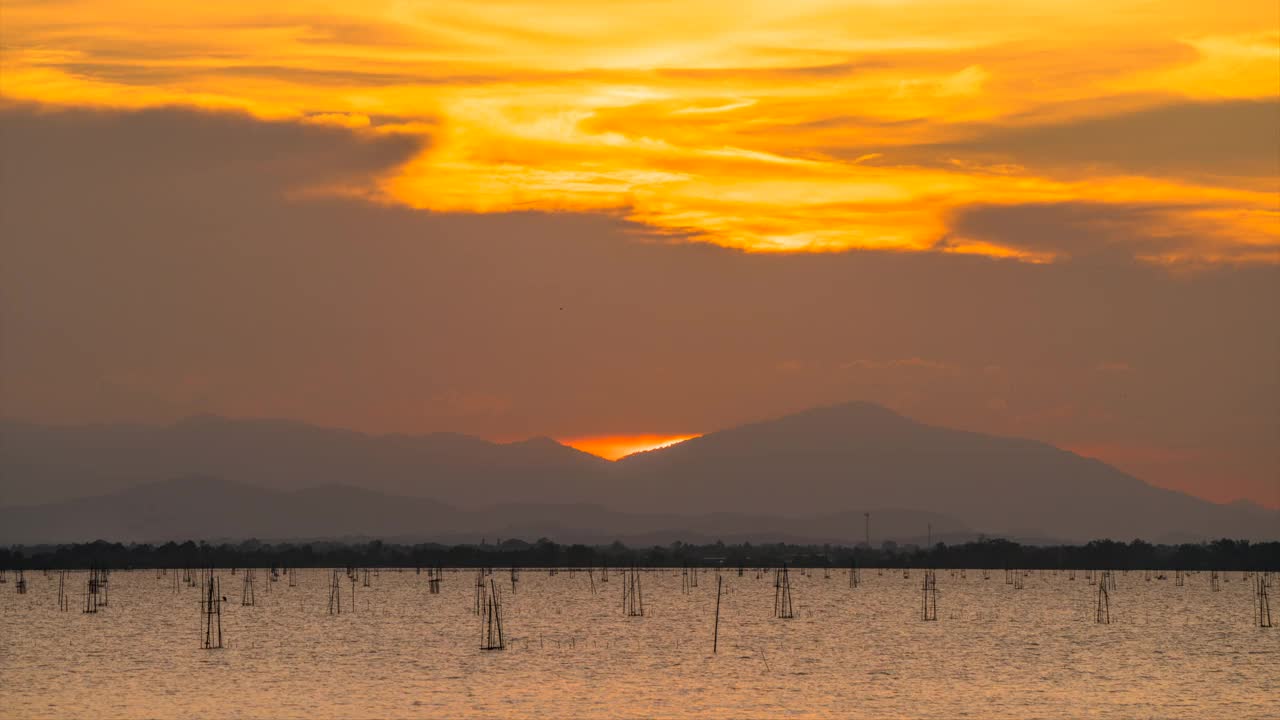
808,475
41,464
864,455
200,507
203,507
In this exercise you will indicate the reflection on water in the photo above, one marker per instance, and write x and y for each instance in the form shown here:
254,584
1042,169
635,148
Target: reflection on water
994,652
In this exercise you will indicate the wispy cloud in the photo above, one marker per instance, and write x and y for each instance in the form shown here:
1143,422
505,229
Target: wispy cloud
773,127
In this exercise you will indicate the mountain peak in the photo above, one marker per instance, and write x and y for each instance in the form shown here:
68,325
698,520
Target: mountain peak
844,458
825,427
861,409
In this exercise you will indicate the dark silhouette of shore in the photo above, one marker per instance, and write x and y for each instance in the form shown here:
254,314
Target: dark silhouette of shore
1221,554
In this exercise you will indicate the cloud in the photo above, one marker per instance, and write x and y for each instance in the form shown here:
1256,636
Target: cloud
1203,140
137,74
1117,232
226,158
233,141
791,128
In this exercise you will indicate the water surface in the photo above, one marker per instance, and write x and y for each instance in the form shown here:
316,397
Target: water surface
994,652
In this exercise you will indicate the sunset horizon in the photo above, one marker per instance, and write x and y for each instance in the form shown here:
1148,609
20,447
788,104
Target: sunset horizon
617,446
978,219
517,359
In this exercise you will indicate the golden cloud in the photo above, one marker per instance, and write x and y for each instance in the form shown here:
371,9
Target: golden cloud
803,126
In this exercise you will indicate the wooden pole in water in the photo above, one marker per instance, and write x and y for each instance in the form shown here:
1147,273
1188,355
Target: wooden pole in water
929,602
1262,601
211,612
715,639
1102,612
782,607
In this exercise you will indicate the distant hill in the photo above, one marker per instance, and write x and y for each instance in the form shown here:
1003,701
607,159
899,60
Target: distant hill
864,455
201,507
211,509
47,463
806,476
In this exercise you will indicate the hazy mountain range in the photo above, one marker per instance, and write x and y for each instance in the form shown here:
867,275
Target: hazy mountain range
804,477
208,508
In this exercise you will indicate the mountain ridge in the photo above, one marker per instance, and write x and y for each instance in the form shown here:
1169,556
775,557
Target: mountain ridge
827,459
206,508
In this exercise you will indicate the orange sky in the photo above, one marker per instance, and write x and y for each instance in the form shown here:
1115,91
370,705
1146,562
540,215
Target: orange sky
620,223
612,447
762,125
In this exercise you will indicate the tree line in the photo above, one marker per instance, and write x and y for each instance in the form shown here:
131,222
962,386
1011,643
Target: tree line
1224,554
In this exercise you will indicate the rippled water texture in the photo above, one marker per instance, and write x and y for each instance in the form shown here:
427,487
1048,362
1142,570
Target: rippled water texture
994,652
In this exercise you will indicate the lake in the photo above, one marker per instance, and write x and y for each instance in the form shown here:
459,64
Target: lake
994,651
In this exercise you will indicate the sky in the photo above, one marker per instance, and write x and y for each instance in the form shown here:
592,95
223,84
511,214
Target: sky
622,224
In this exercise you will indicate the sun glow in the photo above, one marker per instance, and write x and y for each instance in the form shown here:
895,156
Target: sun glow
613,447
809,126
